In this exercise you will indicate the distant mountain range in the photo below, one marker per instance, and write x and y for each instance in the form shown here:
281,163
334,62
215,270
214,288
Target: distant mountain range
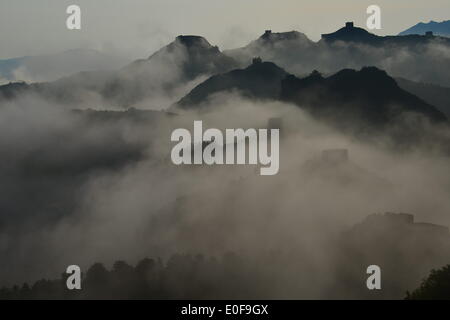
177,72
352,47
438,28
157,77
45,68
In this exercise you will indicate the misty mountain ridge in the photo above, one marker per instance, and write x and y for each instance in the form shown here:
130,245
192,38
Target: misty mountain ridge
439,28
183,60
368,104
178,70
415,57
194,55
51,67
350,33
171,72
260,80
369,96
282,48
369,93
274,39
159,77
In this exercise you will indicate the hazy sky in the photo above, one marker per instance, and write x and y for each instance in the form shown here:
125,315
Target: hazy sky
139,27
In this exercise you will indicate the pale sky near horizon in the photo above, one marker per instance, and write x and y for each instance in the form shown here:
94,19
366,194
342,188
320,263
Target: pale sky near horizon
136,28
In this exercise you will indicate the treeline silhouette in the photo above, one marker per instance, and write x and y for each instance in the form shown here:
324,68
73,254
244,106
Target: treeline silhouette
181,277
184,277
435,287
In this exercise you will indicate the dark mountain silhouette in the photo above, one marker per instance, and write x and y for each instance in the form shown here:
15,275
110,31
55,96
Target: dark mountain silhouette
175,69
261,80
350,33
369,96
438,28
352,47
435,95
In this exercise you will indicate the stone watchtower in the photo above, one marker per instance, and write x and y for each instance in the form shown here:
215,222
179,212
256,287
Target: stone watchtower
256,60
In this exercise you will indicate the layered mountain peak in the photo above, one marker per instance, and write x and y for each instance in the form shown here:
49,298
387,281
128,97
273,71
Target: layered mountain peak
191,41
266,68
194,56
369,95
260,80
187,44
186,58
